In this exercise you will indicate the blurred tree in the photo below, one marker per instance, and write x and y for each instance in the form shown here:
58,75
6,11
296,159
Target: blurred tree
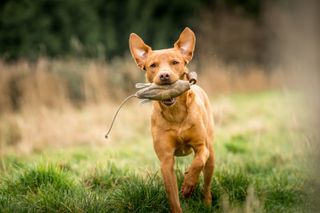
100,28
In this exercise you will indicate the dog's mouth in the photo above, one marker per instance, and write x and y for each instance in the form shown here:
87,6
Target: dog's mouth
168,102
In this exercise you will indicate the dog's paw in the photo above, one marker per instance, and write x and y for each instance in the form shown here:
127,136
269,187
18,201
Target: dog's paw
207,199
187,189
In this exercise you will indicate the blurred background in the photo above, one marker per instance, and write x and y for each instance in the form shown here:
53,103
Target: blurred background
65,65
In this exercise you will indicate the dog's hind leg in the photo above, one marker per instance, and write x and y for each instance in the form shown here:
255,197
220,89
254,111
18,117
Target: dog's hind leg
207,174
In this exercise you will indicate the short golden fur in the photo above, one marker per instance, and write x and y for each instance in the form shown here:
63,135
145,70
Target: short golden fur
181,125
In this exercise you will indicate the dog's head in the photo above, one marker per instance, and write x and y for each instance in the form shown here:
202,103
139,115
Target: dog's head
164,66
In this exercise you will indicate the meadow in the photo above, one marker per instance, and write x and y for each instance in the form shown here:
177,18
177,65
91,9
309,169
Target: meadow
57,160
54,157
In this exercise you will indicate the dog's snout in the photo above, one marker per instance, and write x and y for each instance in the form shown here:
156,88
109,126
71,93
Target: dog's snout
164,76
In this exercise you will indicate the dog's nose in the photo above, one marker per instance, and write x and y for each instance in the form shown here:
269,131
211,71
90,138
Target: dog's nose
164,76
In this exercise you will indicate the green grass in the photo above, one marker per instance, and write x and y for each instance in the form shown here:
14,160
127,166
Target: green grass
260,167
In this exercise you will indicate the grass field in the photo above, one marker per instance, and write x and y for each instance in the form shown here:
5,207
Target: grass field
262,156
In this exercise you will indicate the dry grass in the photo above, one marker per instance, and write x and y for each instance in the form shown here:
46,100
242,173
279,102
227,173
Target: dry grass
219,78
54,84
34,130
65,103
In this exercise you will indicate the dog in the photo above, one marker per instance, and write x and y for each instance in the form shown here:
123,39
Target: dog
180,125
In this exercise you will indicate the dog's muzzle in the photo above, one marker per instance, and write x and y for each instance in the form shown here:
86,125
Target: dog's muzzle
171,101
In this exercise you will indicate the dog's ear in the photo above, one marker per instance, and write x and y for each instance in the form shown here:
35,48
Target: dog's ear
139,50
186,44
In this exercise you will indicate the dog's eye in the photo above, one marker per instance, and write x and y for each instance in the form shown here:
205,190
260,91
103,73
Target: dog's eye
153,65
175,62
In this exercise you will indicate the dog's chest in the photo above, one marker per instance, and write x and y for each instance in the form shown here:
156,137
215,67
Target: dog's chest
182,132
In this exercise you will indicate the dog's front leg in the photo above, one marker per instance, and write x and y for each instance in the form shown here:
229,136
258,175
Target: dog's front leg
192,175
165,154
170,183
